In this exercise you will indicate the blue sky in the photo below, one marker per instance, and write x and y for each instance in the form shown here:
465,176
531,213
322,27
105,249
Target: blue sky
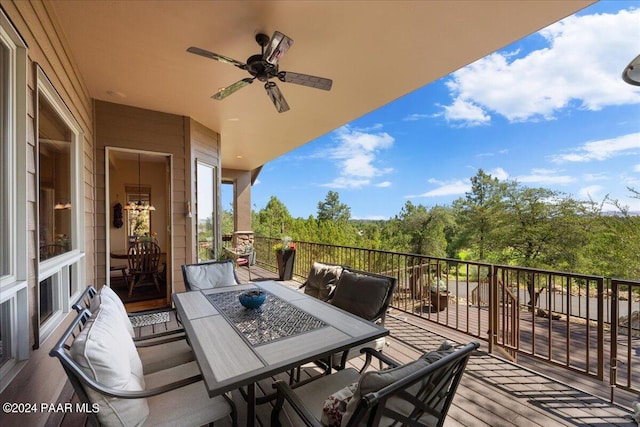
548,111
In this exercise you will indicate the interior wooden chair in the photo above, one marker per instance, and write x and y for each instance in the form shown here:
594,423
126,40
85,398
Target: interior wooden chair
157,351
208,275
416,394
103,366
144,259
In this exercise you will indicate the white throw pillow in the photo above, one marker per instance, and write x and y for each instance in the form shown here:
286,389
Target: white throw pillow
211,275
108,296
105,352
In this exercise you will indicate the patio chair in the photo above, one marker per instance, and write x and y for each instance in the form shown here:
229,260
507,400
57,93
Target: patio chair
144,259
243,257
417,394
321,280
105,371
157,351
366,295
209,275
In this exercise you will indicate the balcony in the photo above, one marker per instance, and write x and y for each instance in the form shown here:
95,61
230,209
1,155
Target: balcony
546,364
493,391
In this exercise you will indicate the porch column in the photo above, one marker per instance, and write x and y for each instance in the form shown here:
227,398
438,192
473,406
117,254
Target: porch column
242,201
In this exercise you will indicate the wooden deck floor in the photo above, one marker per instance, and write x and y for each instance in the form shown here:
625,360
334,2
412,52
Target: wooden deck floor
493,391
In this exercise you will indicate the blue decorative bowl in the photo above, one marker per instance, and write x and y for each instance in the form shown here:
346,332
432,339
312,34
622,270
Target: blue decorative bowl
252,299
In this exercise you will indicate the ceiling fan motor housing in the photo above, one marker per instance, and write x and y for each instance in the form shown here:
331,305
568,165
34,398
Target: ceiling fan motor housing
261,69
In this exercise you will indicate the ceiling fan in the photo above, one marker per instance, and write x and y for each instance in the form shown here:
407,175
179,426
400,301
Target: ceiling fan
264,67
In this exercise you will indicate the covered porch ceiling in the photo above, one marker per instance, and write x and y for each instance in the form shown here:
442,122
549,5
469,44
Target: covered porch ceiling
134,53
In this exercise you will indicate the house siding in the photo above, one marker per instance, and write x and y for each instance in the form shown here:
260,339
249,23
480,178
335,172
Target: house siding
41,377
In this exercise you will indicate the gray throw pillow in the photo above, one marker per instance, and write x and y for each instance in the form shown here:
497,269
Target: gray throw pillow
322,280
361,294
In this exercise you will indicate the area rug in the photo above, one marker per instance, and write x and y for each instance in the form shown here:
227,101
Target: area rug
149,319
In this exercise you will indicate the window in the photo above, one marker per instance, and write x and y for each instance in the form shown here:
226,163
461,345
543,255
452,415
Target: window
5,151
14,303
205,203
6,333
138,218
60,216
55,207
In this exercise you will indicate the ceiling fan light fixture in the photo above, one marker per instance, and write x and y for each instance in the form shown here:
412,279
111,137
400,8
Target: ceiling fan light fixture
278,46
631,73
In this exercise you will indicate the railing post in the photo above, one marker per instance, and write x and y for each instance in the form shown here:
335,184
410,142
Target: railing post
613,355
600,331
493,306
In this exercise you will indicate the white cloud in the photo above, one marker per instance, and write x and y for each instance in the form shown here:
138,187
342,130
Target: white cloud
499,173
384,184
602,149
589,177
467,112
356,156
448,188
591,192
371,217
636,168
580,67
545,177
348,183
415,117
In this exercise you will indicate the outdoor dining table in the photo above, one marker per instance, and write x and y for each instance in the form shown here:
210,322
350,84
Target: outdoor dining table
236,347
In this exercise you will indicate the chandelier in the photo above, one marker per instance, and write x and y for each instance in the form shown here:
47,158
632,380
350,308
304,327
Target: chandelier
139,205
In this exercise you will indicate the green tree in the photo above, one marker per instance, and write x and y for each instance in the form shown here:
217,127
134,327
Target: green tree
274,220
332,210
543,230
479,215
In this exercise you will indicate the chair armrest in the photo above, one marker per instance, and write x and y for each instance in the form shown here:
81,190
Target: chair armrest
71,365
284,392
369,352
178,332
108,391
157,340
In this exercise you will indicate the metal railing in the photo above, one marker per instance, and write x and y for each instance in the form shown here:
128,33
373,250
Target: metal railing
561,318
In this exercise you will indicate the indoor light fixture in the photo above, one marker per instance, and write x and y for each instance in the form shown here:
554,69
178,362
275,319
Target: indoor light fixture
139,206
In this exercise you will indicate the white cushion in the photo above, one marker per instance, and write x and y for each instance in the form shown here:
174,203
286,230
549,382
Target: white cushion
186,406
162,356
314,394
377,344
107,295
211,275
105,351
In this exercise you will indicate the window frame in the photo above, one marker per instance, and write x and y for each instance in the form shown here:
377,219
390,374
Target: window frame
214,197
58,268
14,278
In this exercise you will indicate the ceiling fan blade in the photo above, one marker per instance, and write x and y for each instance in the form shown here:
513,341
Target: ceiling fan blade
278,45
217,57
305,80
226,91
276,97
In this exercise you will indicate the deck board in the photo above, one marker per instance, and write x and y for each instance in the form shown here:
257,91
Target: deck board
493,391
